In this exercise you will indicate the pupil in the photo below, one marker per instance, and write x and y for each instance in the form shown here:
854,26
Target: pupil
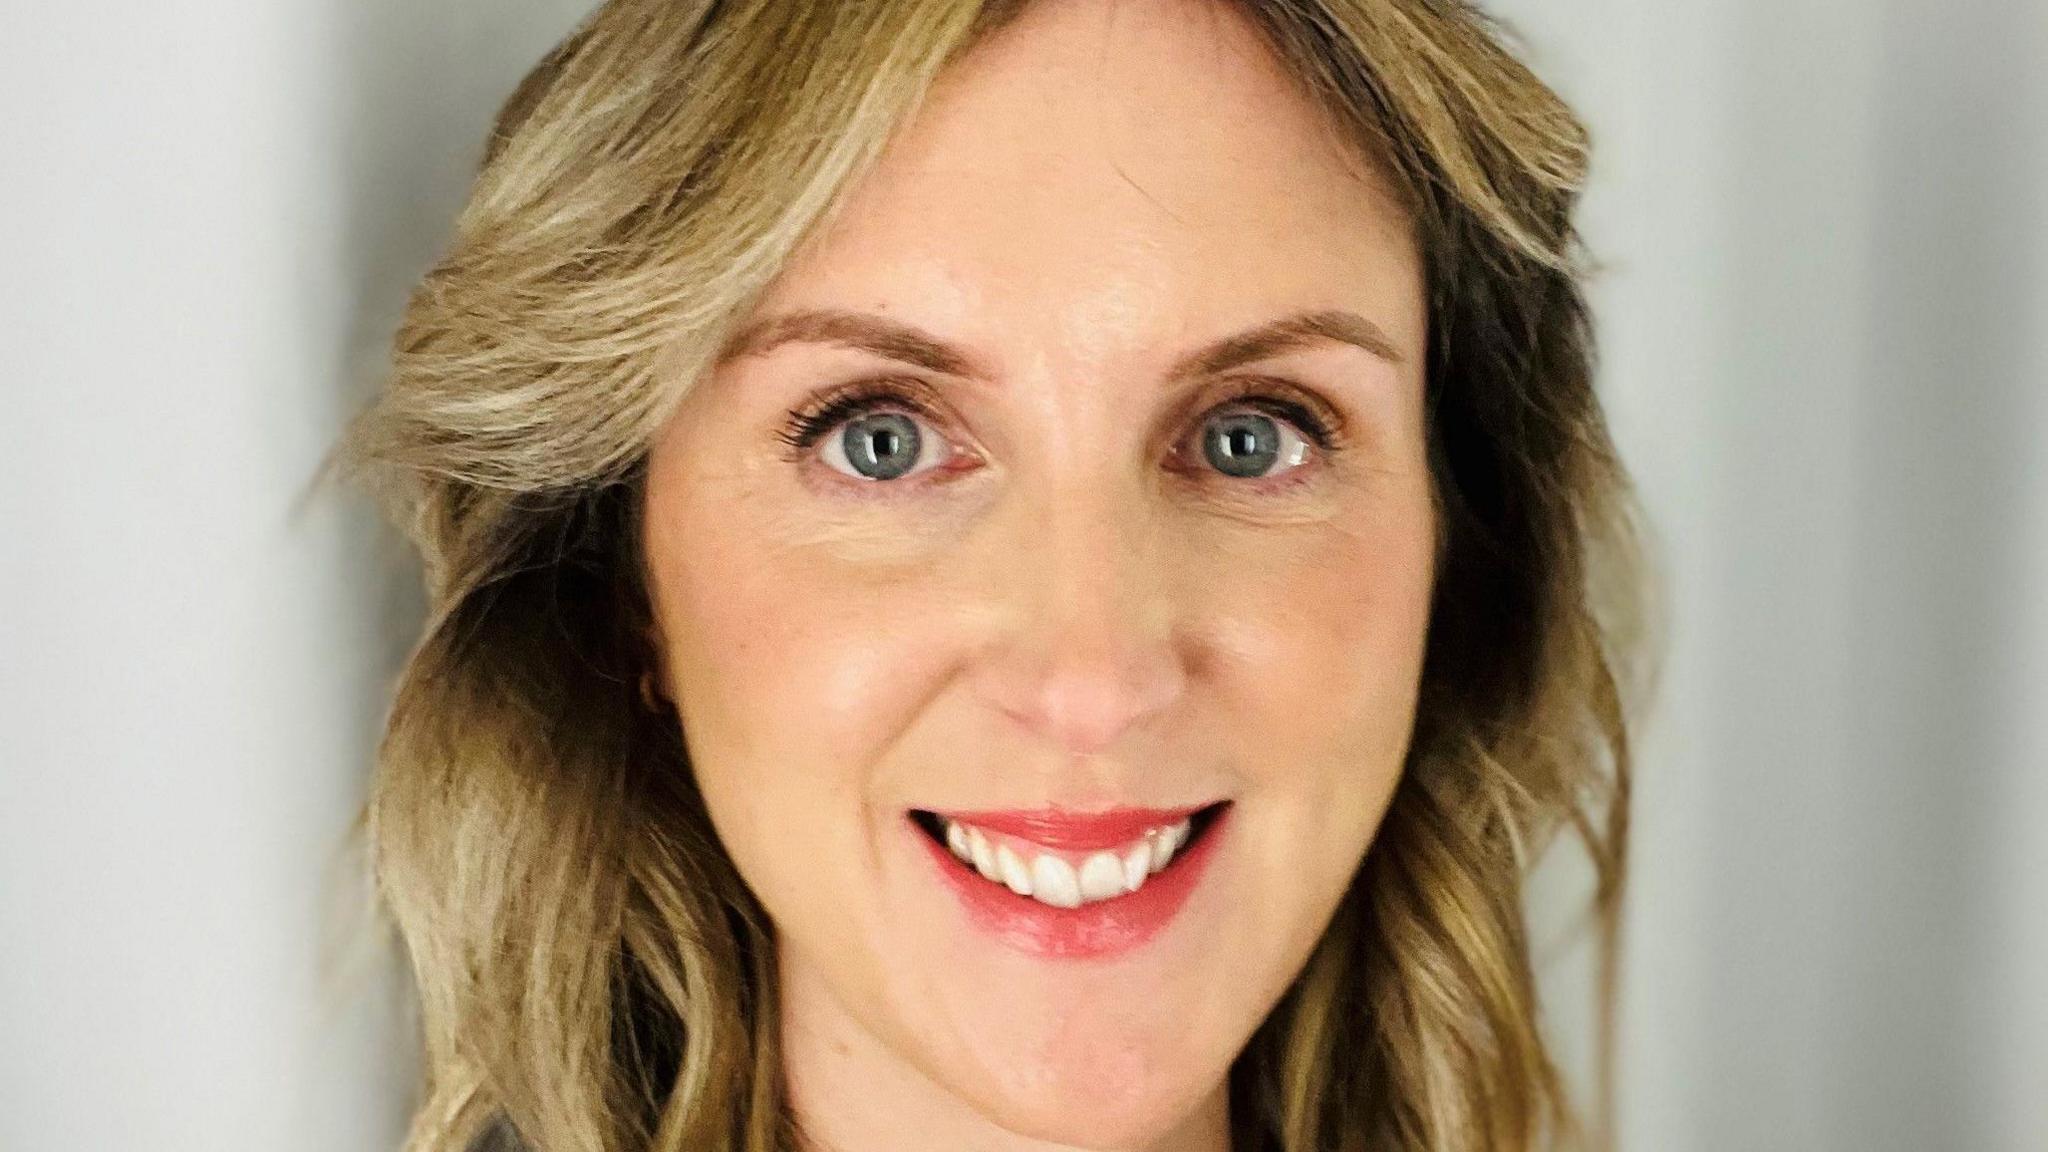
882,446
1242,444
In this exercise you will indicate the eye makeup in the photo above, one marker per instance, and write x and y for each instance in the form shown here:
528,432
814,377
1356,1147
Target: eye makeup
1314,418
1309,415
809,422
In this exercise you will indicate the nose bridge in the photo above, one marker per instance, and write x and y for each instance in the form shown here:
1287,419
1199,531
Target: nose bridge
1091,649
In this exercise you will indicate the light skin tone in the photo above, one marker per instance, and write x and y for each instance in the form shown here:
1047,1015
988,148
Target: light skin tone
1063,600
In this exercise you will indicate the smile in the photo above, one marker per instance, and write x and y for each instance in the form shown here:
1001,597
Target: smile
1064,879
1072,884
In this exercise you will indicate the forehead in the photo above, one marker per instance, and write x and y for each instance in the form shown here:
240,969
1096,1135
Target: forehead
1100,171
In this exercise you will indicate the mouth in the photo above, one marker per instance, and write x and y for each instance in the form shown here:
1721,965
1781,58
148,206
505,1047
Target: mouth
1066,884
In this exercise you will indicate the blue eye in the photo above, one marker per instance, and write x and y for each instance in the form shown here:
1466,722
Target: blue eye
871,430
882,430
1246,445
876,446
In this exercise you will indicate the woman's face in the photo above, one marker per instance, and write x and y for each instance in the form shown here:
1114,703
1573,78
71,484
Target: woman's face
1126,518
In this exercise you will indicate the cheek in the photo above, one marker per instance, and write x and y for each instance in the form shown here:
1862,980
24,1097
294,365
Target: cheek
821,685
1324,640
791,676
774,652
1327,631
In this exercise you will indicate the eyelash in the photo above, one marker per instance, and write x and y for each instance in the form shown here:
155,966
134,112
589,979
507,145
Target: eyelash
1317,423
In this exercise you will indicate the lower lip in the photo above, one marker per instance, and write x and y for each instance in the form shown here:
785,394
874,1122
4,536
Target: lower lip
1092,931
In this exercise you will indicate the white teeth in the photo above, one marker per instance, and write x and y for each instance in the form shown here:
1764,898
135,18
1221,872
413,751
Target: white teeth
984,857
1015,875
1169,842
1137,864
1053,882
1102,876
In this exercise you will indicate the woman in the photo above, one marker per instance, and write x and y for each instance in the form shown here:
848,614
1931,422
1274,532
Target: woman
1004,576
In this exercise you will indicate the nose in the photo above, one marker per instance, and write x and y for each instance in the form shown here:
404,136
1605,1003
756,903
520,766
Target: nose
1090,647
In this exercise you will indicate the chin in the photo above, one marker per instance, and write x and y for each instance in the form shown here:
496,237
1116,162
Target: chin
1099,1103
1092,1123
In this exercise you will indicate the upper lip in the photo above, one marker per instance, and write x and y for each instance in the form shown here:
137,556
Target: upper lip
1062,828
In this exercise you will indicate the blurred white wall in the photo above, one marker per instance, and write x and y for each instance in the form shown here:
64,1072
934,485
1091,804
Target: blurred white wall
1826,331
1825,326
210,209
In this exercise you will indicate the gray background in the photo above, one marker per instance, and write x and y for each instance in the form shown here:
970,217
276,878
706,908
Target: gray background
1825,309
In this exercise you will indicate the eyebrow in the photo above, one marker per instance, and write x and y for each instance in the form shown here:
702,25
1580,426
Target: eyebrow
909,344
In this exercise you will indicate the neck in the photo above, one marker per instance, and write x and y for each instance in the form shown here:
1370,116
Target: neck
851,1092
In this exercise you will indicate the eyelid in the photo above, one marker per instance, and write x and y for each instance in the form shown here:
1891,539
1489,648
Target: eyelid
820,414
921,397
1328,430
808,432
1319,423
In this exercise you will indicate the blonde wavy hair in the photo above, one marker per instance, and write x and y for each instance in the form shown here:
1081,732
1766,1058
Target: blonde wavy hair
592,973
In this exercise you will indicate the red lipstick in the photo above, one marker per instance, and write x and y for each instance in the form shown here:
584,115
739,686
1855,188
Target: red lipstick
1071,831
1093,930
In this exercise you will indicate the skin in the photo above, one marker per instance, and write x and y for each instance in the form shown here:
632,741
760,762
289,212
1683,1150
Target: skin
1075,610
